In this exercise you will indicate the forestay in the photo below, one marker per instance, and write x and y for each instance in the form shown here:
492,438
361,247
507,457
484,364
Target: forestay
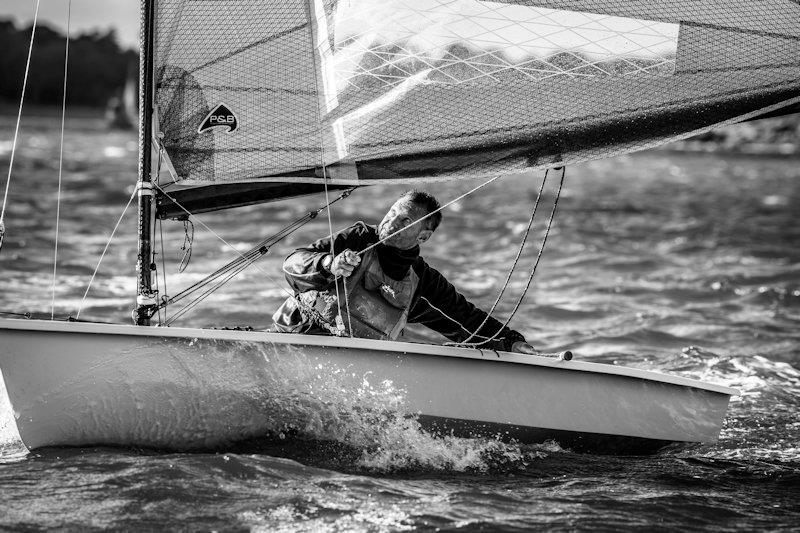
280,95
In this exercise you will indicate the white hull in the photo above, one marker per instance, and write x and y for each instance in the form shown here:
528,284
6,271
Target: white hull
73,384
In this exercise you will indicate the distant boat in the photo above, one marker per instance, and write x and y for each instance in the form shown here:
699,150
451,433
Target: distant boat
122,109
267,101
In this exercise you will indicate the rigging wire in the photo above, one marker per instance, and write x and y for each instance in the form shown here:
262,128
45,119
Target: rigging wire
516,259
245,259
232,269
254,253
19,118
158,288
102,255
530,276
214,233
451,202
333,256
204,294
60,161
163,267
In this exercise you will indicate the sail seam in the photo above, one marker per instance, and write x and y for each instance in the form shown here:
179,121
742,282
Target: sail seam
232,88
743,68
747,31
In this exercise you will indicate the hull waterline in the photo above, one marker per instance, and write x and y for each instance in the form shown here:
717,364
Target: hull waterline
76,384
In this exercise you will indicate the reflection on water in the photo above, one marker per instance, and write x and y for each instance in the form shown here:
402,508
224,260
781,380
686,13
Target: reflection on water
681,263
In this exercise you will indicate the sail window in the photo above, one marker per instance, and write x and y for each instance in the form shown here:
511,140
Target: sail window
470,41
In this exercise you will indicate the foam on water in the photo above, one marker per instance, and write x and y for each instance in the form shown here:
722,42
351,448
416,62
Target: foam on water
11,447
321,401
713,263
761,422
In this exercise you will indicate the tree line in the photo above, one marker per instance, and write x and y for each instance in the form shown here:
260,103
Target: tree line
97,71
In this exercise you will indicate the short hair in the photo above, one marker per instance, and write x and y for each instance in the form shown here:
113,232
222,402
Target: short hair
429,202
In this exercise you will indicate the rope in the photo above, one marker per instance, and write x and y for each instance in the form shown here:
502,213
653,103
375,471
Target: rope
60,162
448,317
516,259
19,118
186,247
533,270
108,243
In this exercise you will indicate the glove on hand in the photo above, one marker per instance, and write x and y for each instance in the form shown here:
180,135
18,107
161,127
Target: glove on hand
344,263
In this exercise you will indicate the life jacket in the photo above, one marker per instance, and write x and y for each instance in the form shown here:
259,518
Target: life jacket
378,304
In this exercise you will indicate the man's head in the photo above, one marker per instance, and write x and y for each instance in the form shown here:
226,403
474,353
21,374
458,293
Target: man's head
410,207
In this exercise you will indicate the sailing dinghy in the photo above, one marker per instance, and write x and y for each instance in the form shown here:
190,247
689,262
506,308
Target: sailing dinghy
77,384
250,102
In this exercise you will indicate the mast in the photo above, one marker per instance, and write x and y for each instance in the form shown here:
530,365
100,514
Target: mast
145,296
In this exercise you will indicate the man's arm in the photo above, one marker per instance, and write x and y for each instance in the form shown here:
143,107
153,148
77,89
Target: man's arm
309,267
442,308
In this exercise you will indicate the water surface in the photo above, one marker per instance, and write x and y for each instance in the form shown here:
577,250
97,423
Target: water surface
681,263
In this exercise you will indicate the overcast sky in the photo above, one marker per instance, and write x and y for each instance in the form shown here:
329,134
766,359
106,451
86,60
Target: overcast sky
122,15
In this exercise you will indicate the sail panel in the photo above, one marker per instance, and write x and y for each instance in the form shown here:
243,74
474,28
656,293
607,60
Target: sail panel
408,90
255,58
770,16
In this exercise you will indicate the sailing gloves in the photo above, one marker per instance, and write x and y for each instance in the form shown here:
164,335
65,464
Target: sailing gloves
343,264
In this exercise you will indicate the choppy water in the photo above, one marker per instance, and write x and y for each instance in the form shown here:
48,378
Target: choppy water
680,263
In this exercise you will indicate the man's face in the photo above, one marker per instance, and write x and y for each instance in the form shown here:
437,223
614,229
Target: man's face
403,213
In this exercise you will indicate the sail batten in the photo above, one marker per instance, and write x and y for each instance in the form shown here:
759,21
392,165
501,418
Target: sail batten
409,90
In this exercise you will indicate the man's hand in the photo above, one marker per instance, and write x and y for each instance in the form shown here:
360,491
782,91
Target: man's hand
523,347
344,263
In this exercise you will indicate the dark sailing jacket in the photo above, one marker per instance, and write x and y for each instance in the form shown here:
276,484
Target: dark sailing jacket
436,302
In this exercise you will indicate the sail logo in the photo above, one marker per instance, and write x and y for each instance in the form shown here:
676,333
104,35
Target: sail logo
220,116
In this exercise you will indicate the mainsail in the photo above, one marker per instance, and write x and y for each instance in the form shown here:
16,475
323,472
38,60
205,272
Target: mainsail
356,92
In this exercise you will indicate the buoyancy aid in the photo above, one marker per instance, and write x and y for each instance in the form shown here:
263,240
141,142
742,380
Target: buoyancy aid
378,305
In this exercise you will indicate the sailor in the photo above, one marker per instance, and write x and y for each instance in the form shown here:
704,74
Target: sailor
386,285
